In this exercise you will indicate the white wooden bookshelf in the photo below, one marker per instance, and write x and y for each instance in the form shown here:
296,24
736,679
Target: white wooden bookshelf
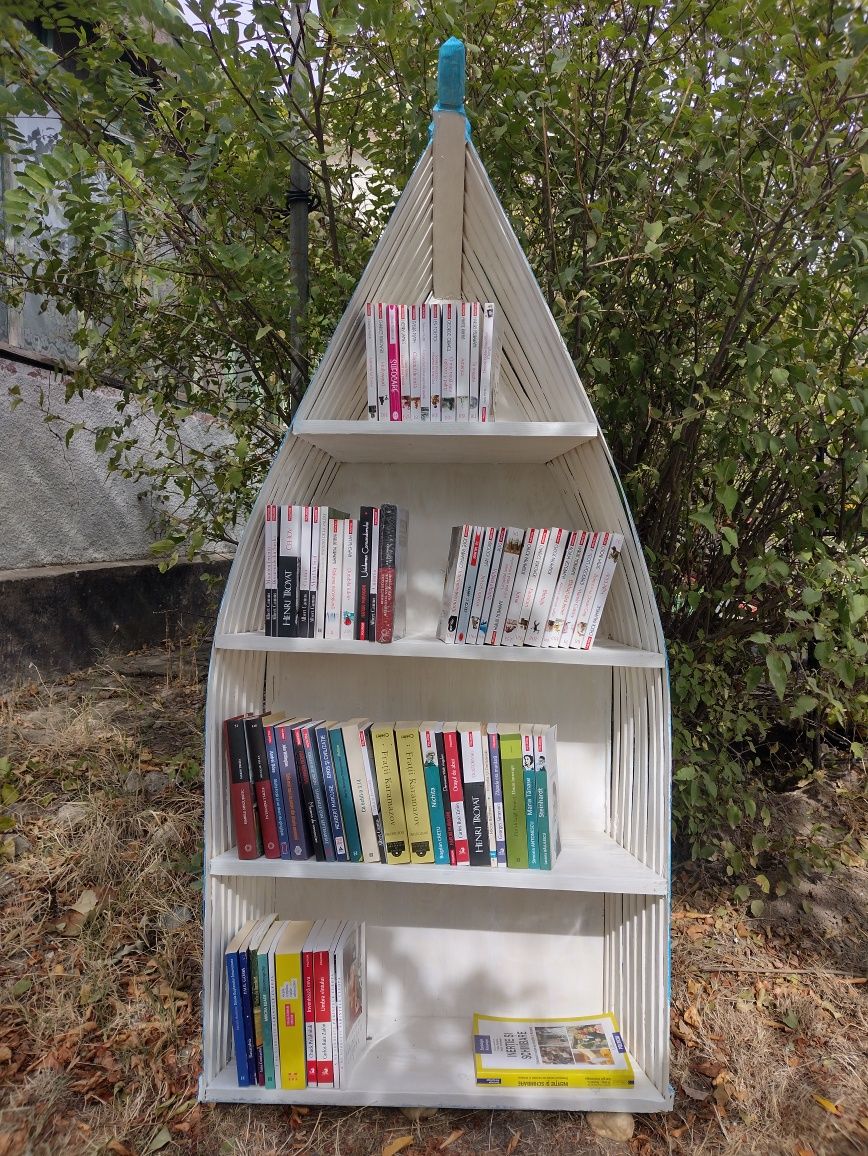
589,936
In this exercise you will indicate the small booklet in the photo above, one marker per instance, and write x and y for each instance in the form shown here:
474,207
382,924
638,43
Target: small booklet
586,1052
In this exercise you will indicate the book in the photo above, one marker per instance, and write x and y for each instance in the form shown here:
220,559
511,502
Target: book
615,546
236,1005
323,995
300,843
529,776
317,786
371,361
533,578
470,575
443,768
582,1052
315,543
261,778
404,355
351,1000
392,574
455,790
453,582
305,601
512,775
247,1001
462,361
355,750
475,341
266,955
449,327
489,538
491,584
334,577
242,805
365,528
513,549
311,810
489,796
323,520
512,627
546,794
309,1002
435,314
348,581
391,797
573,554
434,792
375,569
288,571
271,533
380,329
473,775
345,794
365,729
287,951
489,360
497,793
425,359
263,1058
592,584
394,363
414,791
579,590
277,788
330,790
415,363
545,591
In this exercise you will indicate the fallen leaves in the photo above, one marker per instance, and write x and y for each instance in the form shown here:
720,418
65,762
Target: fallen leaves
454,1135
514,1142
74,918
397,1145
826,1105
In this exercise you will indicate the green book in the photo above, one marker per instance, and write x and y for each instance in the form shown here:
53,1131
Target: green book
345,795
265,1006
529,787
514,819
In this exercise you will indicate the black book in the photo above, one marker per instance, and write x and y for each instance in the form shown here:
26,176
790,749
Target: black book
311,754
444,790
477,824
363,572
377,816
374,566
307,793
287,596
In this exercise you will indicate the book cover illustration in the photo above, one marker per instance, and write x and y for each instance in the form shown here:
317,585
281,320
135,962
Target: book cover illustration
580,1052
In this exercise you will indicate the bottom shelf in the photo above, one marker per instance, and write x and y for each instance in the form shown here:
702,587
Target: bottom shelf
428,1063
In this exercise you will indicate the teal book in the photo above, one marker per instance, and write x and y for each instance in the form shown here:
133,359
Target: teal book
434,793
345,795
528,768
265,1006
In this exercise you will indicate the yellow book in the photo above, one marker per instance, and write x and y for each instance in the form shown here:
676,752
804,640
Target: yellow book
285,956
585,1052
391,798
415,793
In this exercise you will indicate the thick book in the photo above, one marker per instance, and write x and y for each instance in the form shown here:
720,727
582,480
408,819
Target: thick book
512,775
247,1002
591,586
300,843
392,574
309,1002
391,797
615,546
404,354
545,740
315,544
512,625
393,356
288,571
355,749
462,362
311,810
311,756
266,952
261,776
455,783
248,840
489,361
435,314
497,793
271,533
364,532
324,516
323,994
305,601
277,787
425,359
415,363
489,797
475,340
365,729
528,769
545,590
345,794
375,570
287,950
533,578
236,1005
414,792
486,554
334,577
330,790
584,1052
371,360
264,989
382,361
449,328
443,768
253,945
491,584
581,585
513,551
573,555
434,792
473,775
351,1000
453,582
470,575
348,581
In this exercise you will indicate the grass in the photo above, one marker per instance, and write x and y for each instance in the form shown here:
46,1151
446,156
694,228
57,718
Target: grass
101,955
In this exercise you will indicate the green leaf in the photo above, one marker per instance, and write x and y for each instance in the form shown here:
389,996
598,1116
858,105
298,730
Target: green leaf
763,884
727,496
778,668
652,229
742,893
704,518
22,986
756,908
803,705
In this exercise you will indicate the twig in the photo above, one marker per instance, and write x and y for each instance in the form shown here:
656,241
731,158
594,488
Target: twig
788,971
720,1122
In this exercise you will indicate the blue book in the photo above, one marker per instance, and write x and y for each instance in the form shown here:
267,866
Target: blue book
246,1001
236,1011
310,750
277,789
434,792
299,837
529,799
330,787
497,798
345,794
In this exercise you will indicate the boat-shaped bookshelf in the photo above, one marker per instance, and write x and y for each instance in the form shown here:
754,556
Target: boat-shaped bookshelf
590,936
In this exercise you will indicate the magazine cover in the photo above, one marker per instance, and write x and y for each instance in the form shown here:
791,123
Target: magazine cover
350,1000
584,1052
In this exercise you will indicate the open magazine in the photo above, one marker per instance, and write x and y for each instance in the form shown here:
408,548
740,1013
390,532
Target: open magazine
586,1052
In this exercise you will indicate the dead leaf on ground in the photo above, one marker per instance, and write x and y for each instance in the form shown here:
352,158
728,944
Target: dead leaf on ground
513,1144
826,1105
695,1093
75,917
162,1138
709,1068
397,1145
5,1054
691,1017
118,1148
611,1125
801,1150
452,1137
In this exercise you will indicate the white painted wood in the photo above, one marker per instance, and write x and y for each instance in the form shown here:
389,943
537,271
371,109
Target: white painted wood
449,149
466,443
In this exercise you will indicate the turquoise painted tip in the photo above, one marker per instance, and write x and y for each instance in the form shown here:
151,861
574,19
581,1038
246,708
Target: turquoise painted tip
450,76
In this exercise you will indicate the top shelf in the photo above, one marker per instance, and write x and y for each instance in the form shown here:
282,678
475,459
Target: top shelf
470,443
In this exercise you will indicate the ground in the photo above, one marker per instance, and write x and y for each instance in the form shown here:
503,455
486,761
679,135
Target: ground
100,964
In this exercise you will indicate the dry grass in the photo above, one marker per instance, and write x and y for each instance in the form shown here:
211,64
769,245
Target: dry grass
99,1016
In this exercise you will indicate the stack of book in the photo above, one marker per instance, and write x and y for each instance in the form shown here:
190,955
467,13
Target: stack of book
434,361
583,1052
297,1001
328,575
470,793
542,586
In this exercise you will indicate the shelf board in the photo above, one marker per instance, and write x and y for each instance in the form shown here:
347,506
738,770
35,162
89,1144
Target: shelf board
590,862
428,1063
471,443
605,653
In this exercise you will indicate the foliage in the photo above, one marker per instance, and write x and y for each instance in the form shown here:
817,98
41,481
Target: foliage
687,181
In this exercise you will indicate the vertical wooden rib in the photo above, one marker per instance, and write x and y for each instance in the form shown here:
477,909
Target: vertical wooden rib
449,149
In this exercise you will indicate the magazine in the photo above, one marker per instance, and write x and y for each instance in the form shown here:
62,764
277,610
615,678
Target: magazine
581,1052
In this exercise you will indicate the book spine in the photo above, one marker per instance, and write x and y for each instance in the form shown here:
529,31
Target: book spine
402,536
533,578
491,585
290,1018
316,783
386,576
415,364
591,586
404,354
469,588
545,590
277,791
485,361
425,359
262,785
371,360
578,590
394,356
489,798
275,1019
391,797
541,804
474,798
271,531
444,792
375,570
564,589
513,547
304,599
348,583
449,323
373,790
434,795
338,1021
310,808
247,1015
345,796
415,795
527,761
462,361
512,625
309,1004
334,577
355,749
383,390
288,571
475,320
248,840
497,795
453,582
616,545
330,791
299,841
489,539
259,1037
515,822
322,573
322,981
315,537
363,571
236,1013
456,797
436,361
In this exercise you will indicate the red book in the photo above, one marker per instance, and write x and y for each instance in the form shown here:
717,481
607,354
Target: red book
262,785
322,994
456,794
309,1012
393,360
241,799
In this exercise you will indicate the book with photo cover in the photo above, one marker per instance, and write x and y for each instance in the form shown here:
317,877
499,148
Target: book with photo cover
579,1052
351,1002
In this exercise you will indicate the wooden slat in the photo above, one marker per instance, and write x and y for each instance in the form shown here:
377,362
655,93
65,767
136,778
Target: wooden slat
449,148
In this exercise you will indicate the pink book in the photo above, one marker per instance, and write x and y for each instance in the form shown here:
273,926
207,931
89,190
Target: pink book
393,355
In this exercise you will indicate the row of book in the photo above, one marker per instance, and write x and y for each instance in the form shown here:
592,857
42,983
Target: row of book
328,575
471,793
541,586
297,1001
433,361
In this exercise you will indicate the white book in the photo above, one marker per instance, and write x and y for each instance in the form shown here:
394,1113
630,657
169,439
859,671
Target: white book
333,994
449,324
371,360
415,364
533,578
596,573
270,940
489,360
382,362
469,588
371,776
313,609
453,582
348,580
334,577
354,748
435,315
566,584
305,602
404,357
512,626
322,573
462,361
579,590
615,546
351,1000
475,349
489,538
545,590
489,798
271,535
425,358
491,584
513,549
